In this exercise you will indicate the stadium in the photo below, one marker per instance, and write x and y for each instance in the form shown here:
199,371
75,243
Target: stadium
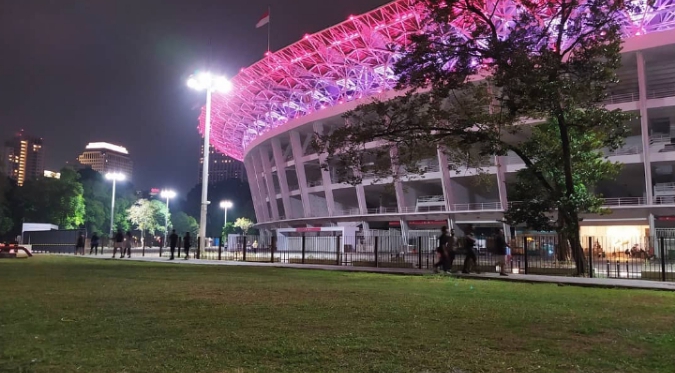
280,102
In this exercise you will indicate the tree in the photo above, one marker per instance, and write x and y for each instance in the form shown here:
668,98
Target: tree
6,221
54,201
468,95
142,215
183,222
96,193
161,214
244,224
233,190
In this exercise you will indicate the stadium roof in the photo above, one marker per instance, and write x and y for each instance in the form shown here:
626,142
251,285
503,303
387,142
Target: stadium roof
345,62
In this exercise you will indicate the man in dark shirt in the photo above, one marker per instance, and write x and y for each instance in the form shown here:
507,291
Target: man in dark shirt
442,250
173,242
186,245
94,245
470,258
500,251
119,243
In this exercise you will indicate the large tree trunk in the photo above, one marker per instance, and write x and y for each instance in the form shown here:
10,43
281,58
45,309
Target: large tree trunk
562,249
574,239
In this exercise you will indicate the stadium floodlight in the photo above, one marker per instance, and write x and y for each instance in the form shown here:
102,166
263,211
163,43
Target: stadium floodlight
211,83
225,205
166,194
115,177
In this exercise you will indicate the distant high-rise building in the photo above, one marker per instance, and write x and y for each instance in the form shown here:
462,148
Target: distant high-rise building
23,158
104,157
222,167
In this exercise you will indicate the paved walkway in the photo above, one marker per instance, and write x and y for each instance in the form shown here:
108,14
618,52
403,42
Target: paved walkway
560,280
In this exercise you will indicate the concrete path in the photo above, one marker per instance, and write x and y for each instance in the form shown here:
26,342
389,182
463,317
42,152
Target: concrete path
560,280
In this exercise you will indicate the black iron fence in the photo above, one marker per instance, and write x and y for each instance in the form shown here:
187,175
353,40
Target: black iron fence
647,258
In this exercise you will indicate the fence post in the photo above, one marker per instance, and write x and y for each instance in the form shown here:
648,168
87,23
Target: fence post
303,248
160,249
590,257
377,261
244,253
273,246
662,250
220,248
143,249
525,252
419,252
337,250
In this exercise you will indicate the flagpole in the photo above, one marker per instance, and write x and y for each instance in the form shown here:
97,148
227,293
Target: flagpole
269,26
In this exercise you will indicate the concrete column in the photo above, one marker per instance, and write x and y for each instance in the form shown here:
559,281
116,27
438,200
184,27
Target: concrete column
325,177
257,168
267,169
644,126
398,184
361,199
255,191
500,163
445,180
281,175
296,146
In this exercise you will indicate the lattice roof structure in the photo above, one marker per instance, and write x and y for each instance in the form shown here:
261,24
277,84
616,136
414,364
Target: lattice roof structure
345,62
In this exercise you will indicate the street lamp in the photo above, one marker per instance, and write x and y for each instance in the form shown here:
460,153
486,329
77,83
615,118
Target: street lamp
167,194
210,83
225,205
115,177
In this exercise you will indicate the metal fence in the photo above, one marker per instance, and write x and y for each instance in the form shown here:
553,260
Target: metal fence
647,258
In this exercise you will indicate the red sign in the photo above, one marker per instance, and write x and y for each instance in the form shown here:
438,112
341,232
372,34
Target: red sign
311,229
665,218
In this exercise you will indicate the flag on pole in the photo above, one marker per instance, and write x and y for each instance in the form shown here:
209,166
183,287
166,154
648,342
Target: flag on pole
264,20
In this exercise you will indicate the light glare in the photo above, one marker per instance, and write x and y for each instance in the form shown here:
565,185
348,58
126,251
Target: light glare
167,194
225,204
115,176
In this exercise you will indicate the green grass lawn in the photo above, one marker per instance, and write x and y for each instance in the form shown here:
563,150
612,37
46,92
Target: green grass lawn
60,314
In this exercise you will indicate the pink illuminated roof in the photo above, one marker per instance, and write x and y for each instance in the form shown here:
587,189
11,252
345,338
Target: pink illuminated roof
345,62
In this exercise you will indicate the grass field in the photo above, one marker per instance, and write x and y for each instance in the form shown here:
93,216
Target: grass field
61,314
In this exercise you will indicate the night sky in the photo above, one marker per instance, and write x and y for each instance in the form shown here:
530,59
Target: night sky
76,71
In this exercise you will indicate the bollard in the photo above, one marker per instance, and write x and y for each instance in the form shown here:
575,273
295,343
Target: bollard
618,270
608,268
377,261
662,250
199,244
273,247
590,257
627,270
303,248
525,253
337,250
419,252
244,253
220,249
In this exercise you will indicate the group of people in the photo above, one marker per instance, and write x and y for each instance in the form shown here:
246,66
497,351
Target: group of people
447,245
124,243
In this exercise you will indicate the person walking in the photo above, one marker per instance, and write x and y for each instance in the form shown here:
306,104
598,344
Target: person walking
186,245
470,259
442,250
127,244
500,251
94,244
79,246
173,241
119,243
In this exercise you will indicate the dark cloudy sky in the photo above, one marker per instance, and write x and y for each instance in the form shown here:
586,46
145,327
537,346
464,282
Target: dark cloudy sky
75,71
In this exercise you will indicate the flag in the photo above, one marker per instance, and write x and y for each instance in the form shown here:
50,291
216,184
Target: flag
264,20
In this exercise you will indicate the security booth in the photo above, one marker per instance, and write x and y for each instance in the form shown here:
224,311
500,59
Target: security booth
317,241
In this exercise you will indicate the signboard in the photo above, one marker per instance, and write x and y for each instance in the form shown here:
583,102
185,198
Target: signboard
419,222
665,218
311,229
154,191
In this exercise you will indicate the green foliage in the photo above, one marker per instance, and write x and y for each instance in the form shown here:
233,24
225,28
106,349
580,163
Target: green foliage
161,215
142,215
182,223
555,74
244,224
232,190
6,221
229,229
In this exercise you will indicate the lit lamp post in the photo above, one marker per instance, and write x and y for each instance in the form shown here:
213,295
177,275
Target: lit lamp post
115,177
167,194
210,83
225,205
